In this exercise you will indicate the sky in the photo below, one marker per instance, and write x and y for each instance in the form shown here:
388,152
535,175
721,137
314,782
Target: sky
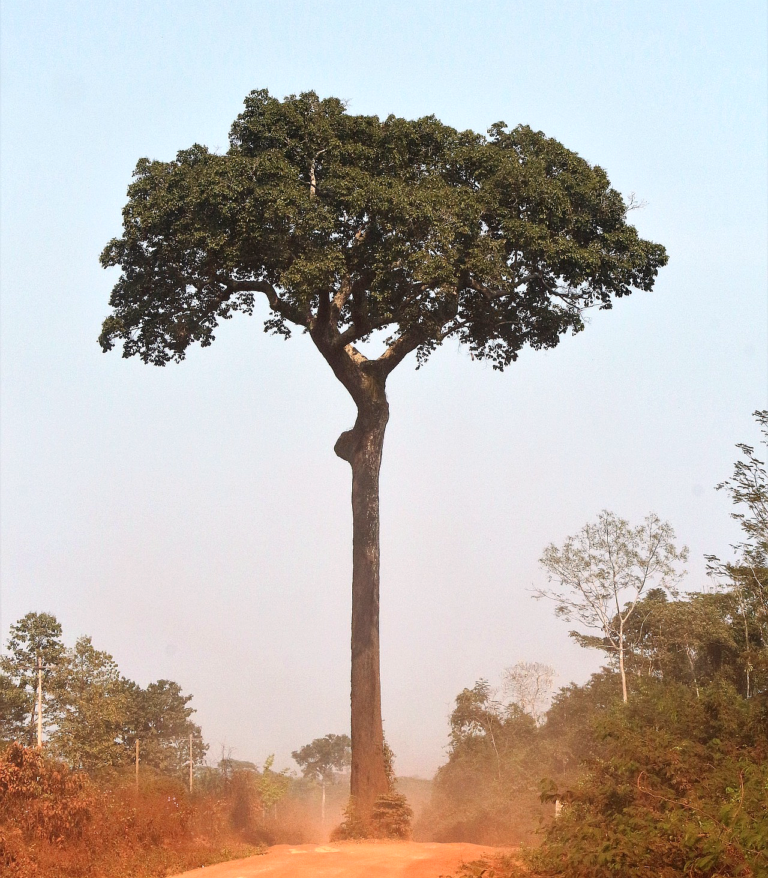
195,521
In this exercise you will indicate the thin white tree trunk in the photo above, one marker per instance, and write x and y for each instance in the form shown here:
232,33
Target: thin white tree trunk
39,703
322,806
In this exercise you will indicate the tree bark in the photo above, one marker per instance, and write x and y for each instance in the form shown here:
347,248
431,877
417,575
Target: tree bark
623,674
362,448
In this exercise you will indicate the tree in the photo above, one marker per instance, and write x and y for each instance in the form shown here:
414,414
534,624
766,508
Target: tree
354,228
748,487
600,574
322,758
272,785
686,641
96,704
748,573
529,685
35,642
487,792
159,717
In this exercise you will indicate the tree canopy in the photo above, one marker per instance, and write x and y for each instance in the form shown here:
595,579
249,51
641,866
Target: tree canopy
351,224
323,757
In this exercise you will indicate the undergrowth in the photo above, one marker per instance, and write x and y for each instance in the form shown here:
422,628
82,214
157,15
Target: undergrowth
59,822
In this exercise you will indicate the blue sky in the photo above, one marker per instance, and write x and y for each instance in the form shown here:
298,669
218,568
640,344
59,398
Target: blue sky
195,521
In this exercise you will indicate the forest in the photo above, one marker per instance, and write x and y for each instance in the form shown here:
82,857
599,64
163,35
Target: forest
658,764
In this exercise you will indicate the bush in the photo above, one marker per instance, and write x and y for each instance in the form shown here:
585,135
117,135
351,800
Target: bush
391,818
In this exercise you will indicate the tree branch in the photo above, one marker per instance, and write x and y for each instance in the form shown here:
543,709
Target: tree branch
399,350
280,306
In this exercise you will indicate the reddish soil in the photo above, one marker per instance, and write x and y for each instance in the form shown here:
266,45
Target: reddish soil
367,859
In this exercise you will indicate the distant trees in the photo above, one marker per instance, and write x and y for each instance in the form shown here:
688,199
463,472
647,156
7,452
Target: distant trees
160,717
487,791
92,715
600,574
529,684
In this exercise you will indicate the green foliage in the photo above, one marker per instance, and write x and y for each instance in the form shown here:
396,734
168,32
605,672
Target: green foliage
14,710
159,716
94,708
34,638
92,714
391,816
272,785
412,226
323,757
352,826
675,785
698,639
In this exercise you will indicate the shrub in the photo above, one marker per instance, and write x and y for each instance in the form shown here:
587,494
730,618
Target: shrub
392,816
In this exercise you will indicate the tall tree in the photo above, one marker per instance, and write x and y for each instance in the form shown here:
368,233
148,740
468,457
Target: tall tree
350,226
35,641
600,575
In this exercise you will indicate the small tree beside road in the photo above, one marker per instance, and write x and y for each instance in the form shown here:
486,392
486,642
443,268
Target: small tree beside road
599,575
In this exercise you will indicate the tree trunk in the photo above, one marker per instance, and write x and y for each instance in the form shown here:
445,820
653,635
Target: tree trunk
362,448
623,673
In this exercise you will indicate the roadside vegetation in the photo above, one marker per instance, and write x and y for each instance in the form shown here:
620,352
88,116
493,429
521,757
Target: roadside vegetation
658,765
101,777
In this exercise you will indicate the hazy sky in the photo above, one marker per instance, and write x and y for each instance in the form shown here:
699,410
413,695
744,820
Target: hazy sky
194,519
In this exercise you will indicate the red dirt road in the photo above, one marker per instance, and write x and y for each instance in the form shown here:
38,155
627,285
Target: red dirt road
408,859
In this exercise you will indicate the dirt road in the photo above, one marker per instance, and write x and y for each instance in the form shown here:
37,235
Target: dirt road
408,859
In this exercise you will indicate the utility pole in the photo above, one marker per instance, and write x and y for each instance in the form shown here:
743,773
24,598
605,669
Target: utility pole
137,764
190,762
39,703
